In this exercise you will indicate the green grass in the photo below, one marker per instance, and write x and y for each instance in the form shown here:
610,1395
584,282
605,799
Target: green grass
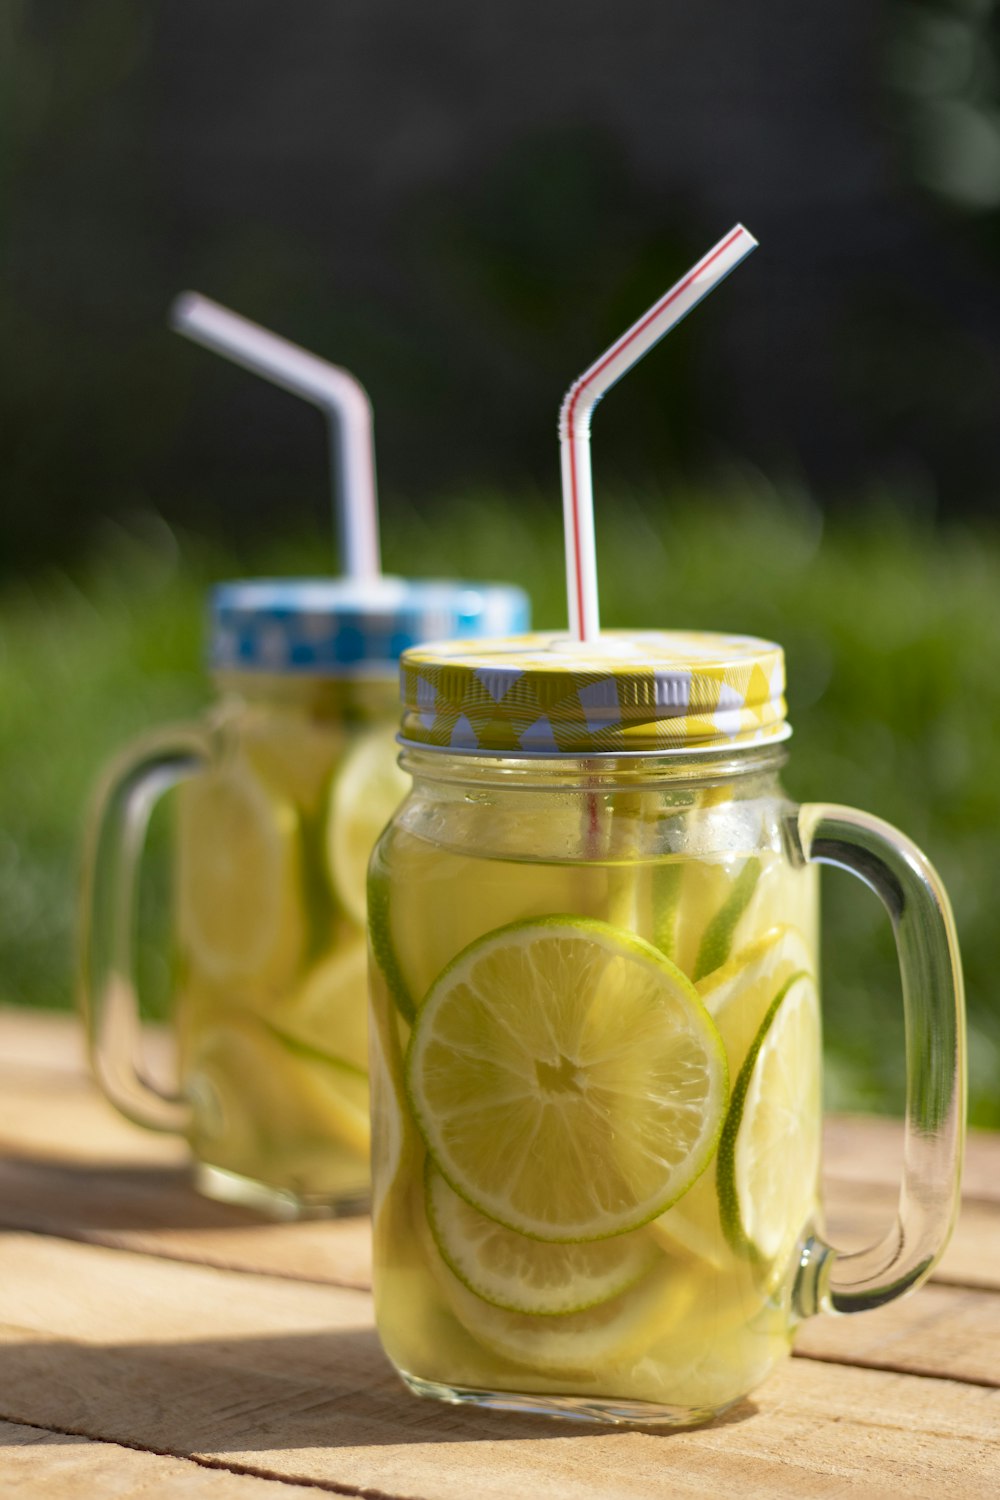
891,627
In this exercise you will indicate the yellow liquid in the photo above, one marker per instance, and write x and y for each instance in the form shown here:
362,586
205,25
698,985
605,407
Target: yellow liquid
705,1321
272,998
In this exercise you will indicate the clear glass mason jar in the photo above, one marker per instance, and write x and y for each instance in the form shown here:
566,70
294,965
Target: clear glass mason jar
595,1040
285,785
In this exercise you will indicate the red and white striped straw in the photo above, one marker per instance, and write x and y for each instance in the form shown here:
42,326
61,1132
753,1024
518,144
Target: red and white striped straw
584,394
338,394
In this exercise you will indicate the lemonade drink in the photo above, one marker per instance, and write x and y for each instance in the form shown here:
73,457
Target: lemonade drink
595,1041
272,846
284,788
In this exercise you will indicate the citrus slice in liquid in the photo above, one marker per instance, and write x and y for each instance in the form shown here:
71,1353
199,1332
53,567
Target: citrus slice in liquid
566,1079
390,1128
410,940
260,1102
525,1275
698,908
365,791
738,995
328,1010
586,1344
716,941
769,1153
240,885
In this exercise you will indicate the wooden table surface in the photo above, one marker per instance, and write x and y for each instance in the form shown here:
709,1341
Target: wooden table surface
157,1344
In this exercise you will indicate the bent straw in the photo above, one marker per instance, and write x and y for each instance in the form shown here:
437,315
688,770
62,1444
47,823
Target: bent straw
336,392
584,394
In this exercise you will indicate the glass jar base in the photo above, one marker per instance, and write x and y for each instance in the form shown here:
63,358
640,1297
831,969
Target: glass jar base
277,1203
608,1413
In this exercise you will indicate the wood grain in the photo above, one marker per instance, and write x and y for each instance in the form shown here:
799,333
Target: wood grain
142,1343
70,1166
868,1149
287,1379
940,1330
155,1211
63,1466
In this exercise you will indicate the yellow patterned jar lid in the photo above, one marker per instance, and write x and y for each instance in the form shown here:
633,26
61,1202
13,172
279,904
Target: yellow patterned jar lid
638,692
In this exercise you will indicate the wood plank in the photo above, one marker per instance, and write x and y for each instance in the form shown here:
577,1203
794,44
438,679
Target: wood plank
858,1148
42,1039
64,1466
283,1378
70,1166
869,1149
940,1330
858,1214
155,1211
63,1117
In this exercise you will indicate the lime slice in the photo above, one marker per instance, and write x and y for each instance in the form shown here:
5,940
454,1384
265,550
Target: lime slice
566,1079
365,791
717,939
769,1152
327,1012
389,1126
613,1334
383,945
696,909
411,943
667,885
738,995
239,881
525,1275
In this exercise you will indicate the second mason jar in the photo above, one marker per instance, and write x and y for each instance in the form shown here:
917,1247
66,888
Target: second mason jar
285,785
596,1059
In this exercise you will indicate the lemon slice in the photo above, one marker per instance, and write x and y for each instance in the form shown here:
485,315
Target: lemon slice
365,791
293,752
524,1275
328,1009
239,881
723,1345
738,995
566,1079
769,1153
692,1229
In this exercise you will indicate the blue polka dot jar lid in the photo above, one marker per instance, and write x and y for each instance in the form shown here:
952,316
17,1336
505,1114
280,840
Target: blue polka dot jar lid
343,627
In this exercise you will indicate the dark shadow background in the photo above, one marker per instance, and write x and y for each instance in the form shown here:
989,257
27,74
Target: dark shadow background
464,204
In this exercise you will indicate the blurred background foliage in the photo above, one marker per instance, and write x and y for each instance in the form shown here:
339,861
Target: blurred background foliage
890,624
944,65
464,205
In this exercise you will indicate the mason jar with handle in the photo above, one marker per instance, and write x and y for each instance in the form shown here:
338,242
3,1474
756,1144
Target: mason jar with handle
284,786
595,1040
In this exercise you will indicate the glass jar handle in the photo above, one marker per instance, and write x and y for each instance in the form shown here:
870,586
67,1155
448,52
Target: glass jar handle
107,982
934,1010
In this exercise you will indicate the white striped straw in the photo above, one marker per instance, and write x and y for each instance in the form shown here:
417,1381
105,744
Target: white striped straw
584,394
336,392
